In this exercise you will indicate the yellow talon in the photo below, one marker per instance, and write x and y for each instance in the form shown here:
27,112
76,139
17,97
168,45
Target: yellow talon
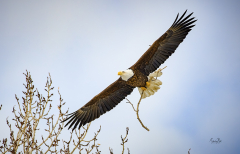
143,88
147,84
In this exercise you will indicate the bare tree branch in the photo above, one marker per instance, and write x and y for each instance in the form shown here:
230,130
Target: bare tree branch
124,140
27,120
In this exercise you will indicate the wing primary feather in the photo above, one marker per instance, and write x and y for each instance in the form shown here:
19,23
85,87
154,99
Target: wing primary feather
191,26
180,18
82,117
189,20
187,24
175,19
71,118
183,20
75,119
76,123
68,118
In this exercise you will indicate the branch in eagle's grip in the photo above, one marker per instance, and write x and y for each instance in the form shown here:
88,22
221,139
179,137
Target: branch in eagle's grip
138,111
152,77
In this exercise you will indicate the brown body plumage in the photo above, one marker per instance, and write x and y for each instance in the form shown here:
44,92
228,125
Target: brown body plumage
138,79
156,55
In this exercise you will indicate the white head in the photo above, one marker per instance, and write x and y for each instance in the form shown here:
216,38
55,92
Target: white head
125,75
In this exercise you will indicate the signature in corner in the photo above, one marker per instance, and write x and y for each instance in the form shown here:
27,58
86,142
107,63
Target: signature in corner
215,141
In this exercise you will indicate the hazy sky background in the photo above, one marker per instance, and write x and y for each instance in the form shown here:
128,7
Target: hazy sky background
83,44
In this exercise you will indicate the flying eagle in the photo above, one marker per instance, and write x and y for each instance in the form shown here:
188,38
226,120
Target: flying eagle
136,76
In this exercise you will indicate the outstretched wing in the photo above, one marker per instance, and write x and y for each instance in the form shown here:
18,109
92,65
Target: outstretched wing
100,104
163,47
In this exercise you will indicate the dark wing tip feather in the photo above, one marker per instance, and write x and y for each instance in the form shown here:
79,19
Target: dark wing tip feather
74,120
185,19
70,117
180,18
175,20
76,123
181,22
168,42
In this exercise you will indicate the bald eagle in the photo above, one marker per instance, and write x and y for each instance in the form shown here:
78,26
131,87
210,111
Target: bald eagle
136,76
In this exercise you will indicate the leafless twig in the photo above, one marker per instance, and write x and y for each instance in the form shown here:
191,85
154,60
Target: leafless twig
138,111
111,150
124,140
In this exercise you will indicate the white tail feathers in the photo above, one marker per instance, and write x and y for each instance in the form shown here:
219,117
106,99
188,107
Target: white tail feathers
154,84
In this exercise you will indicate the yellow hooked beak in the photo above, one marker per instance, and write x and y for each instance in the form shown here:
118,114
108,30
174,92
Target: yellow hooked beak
120,73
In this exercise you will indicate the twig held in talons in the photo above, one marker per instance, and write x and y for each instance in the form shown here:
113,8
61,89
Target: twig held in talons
138,111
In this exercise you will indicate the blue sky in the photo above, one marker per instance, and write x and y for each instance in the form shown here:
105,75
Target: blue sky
84,44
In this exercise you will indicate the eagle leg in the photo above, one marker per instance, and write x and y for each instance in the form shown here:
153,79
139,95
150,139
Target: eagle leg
147,85
143,88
